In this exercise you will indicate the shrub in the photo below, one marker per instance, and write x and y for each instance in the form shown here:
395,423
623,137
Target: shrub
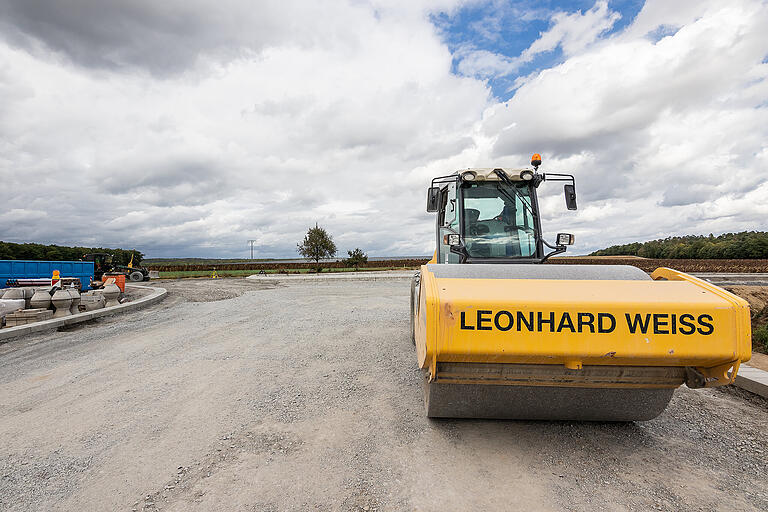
760,338
356,258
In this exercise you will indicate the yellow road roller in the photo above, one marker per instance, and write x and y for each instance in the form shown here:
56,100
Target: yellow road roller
499,335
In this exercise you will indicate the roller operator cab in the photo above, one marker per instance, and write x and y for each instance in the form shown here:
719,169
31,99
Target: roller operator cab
492,216
500,336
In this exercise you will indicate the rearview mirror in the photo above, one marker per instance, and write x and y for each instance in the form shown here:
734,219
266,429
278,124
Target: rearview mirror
433,199
565,238
452,239
456,246
570,196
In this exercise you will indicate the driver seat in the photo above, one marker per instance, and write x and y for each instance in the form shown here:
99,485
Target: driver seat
472,216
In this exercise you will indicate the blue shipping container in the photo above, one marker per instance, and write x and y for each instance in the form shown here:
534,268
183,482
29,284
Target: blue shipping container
28,269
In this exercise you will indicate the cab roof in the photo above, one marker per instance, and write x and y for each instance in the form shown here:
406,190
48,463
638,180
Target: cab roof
487,174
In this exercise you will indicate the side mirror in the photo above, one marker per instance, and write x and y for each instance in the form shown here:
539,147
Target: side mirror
433,199
570,196
565,238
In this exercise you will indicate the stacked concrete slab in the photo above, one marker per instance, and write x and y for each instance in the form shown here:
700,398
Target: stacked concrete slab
27,316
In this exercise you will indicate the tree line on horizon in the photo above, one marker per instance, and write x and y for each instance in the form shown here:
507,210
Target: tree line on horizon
742,245
32,251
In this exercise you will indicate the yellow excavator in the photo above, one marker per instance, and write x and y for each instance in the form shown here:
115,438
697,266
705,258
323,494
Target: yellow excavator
499,335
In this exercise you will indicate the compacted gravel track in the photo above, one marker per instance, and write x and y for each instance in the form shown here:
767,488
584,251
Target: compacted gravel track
237,395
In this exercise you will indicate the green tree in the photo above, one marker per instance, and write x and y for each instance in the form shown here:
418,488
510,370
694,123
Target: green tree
356,258
317,245
31,251
747,244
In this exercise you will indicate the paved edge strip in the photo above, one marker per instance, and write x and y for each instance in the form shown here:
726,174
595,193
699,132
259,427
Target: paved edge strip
394,276
752,379
156,296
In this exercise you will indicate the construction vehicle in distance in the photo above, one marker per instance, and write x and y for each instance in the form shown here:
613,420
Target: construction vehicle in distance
499,335
103,264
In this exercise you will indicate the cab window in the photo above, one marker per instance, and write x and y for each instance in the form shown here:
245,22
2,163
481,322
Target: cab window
498,221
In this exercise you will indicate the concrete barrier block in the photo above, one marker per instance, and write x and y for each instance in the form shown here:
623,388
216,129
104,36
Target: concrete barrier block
157,295
752,379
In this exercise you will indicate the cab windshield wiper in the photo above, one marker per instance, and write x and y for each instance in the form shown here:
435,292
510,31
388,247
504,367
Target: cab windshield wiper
504,178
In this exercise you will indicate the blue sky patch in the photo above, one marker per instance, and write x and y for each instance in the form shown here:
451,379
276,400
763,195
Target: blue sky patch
497,33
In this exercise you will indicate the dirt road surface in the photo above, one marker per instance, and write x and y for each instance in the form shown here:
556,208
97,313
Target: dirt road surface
240,396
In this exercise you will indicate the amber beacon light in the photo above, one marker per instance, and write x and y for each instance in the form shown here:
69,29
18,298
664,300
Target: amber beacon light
536,160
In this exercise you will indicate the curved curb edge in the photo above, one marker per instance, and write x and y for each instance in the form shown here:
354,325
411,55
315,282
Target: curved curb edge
153,298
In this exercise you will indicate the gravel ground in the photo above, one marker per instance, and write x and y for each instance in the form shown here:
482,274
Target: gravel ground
233,395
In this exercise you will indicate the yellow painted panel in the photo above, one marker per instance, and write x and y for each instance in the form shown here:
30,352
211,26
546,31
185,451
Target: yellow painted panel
676,322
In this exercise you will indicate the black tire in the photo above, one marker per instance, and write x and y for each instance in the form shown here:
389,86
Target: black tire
135,276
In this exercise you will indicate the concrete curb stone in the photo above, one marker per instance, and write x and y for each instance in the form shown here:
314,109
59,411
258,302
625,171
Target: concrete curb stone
752,379
156,296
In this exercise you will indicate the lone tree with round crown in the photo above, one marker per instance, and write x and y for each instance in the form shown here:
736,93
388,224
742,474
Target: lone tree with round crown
317,245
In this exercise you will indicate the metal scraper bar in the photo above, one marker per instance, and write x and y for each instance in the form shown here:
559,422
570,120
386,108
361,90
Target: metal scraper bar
511,374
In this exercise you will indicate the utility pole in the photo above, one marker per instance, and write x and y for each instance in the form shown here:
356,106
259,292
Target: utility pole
251,243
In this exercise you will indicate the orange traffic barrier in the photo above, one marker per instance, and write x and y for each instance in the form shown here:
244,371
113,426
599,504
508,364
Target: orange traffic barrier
119,280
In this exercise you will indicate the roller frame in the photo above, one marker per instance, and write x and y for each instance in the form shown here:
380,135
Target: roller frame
553,391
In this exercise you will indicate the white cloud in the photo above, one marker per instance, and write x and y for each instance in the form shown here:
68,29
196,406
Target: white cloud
260,146
484,63
573,32
669,136
341,113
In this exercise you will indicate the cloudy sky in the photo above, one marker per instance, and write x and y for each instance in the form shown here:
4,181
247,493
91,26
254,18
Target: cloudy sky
187,127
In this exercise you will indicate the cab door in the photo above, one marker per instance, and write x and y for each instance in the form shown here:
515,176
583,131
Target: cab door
448,222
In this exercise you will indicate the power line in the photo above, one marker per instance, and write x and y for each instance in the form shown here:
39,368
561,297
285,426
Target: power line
252,243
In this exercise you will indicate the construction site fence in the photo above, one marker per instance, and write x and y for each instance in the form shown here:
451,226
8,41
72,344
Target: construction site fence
648,265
